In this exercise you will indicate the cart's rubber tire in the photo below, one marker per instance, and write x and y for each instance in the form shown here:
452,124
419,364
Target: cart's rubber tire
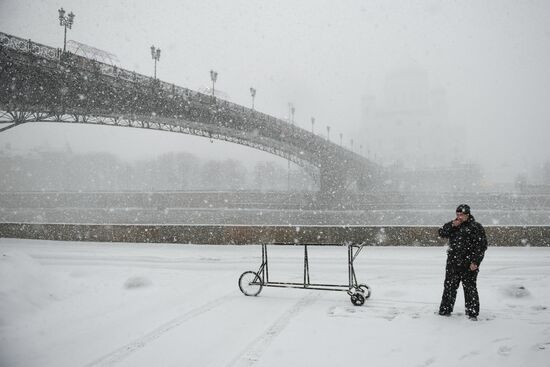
250,283
357,299
365,289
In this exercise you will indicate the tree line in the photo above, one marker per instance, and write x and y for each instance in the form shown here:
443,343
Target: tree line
88,172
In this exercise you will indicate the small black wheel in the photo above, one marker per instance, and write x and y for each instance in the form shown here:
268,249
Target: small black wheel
250,283
365,289
357,299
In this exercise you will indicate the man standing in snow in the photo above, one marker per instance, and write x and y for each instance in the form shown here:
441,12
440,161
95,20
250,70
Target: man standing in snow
467,245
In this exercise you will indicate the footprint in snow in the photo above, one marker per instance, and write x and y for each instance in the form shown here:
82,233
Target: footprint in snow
428,362
469,355
504,350
341,311
542,346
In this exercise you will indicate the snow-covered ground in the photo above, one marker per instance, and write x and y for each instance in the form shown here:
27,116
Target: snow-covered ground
97,304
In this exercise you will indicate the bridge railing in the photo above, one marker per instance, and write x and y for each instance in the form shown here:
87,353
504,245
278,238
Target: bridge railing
20,44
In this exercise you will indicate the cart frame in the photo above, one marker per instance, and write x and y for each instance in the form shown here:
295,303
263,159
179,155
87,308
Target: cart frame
251,283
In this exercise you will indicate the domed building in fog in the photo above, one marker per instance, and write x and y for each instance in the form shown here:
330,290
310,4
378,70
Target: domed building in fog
407,123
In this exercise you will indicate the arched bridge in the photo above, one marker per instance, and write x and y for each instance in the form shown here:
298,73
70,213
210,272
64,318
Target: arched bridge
41,83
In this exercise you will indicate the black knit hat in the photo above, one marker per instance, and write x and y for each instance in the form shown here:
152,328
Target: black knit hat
463,208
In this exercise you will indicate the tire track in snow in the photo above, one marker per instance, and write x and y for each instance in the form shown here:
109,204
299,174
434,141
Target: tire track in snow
119,354
252,353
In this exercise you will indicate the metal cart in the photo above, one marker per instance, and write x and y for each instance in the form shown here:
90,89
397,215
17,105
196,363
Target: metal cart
251,283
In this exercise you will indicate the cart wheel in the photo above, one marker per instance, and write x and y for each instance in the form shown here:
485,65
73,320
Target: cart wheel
250,283
357,299
365,289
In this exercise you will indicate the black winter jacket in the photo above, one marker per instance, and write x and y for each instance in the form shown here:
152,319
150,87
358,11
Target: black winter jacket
467,242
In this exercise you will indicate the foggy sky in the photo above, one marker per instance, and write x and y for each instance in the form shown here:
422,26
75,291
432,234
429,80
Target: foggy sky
490,58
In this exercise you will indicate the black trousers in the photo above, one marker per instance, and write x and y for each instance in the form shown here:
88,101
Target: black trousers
454,275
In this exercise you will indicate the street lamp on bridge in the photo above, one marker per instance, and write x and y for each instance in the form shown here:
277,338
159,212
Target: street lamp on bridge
213,77
155,54
328,133
312,123
291,111
253,95
341,136
67,22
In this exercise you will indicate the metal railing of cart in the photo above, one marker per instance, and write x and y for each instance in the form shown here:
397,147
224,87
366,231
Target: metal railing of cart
251,282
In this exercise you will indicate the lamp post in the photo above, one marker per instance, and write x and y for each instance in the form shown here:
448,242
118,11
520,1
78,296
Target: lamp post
67,22
341,136
253,94
312,124
213,77
291,111
328,133
155,54
288,176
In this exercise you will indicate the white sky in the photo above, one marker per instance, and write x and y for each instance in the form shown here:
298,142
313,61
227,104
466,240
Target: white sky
490,57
